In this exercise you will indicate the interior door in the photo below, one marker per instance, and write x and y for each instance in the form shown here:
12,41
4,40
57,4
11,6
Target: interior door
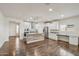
14,29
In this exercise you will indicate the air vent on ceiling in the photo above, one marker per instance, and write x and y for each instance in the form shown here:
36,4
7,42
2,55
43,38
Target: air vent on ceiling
47,4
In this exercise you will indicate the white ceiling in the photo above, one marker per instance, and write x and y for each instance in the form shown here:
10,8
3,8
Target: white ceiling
41,10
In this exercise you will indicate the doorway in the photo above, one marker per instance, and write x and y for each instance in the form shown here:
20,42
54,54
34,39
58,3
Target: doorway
14,29
14,41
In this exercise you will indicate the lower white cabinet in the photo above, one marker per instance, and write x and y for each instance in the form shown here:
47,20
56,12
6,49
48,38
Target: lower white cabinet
63,38
53,36
73,40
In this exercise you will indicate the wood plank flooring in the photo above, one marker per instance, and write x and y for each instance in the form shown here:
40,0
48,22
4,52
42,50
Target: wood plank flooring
47,47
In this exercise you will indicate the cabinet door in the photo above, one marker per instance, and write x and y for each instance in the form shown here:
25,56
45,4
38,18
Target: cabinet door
52,36
73,40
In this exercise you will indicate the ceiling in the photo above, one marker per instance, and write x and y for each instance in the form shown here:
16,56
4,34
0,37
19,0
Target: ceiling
40,11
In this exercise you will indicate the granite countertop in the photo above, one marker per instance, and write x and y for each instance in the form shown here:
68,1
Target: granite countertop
66,33
69,34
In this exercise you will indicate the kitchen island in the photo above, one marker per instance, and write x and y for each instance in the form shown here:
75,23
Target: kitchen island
34,37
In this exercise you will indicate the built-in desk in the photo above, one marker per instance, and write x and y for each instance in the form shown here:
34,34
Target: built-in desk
70,37
73,37
63,37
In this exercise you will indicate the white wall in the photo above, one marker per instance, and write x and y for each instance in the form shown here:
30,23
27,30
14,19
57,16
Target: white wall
3,29
75,28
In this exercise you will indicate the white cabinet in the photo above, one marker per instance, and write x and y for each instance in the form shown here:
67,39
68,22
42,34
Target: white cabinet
63,38
53,36
73,40
67,37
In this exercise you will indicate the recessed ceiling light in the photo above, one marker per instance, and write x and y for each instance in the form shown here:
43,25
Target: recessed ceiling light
50,9
31,17
62,15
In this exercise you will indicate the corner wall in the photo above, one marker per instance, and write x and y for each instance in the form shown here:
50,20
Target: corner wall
3,29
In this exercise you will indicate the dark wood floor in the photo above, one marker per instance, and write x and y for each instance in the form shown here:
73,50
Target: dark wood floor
47,47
